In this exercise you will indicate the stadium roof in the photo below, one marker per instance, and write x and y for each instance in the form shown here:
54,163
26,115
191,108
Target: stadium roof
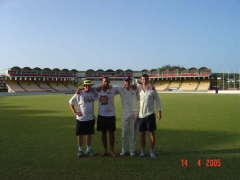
16,68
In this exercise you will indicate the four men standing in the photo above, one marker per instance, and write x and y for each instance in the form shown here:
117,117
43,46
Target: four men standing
129,96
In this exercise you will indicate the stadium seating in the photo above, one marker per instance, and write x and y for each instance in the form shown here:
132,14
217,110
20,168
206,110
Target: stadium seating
59,86
71,86
14,86
33,74
12,74
37,80
30,86
43,85
165,75
189,85
174,84
204,85
205,73
153,75
161,85
193,74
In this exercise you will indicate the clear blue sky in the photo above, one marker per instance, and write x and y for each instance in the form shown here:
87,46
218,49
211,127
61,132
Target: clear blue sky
120,34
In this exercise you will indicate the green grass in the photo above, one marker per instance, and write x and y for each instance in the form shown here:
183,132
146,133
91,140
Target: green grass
38,140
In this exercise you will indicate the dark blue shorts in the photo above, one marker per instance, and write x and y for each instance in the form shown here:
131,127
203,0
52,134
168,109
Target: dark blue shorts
148,123
106,123
85,127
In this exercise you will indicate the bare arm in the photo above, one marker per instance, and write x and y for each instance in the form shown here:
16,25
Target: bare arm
72,107
78,90
158,104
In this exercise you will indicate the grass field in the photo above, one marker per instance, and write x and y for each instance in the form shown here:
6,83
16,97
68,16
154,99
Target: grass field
38,140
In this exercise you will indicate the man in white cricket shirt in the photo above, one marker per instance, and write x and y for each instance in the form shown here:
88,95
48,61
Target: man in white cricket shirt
147,117
85,118
129,98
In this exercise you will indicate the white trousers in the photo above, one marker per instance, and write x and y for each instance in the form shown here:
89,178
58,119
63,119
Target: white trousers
129,130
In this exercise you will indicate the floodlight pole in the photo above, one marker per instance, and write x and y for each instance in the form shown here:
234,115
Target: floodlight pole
228,79
223,79
234,80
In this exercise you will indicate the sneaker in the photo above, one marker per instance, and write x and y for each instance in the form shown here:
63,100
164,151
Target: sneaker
80,154
123,153
132,153
152,155
142,155
90,153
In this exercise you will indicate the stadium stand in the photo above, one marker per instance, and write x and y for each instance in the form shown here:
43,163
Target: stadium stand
43,85
59,86
14,86
70,86
30,86
55,80
174,85
204,85
161,85
189,85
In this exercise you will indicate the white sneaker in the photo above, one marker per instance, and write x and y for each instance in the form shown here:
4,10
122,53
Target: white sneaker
123,153
90,153
132,153
142,155
152,155
80,154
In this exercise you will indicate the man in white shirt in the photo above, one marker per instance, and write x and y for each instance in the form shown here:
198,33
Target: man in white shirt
129,98
85,118
107,115
147,117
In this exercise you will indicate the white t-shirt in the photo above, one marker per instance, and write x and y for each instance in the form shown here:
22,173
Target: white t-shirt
106,101
128,99
85,104
147,101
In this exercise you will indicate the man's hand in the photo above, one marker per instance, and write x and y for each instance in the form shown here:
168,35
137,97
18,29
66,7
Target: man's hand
134,87
152,88
99,88
78,113
78,90
159,115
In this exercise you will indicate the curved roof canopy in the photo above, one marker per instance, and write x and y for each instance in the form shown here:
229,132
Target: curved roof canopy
26,69
46,69
65,70
16,68
56,69
36,69
74,71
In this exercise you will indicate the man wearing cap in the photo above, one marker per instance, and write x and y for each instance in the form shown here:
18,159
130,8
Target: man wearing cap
85,118
129,98
147,117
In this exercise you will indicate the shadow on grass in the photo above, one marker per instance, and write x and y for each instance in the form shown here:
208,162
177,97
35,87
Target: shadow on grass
187,142
23,111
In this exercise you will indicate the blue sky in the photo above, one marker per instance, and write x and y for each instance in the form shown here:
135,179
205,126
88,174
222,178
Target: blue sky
120,34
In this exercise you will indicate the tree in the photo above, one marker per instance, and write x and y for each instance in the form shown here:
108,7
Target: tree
168,66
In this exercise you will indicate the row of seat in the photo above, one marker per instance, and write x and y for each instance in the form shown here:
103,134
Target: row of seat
185,85
63,86
40,86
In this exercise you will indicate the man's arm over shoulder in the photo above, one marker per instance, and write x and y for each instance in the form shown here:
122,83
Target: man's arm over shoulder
117,89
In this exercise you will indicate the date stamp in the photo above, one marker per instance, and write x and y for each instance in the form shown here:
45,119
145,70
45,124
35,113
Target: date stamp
206,162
